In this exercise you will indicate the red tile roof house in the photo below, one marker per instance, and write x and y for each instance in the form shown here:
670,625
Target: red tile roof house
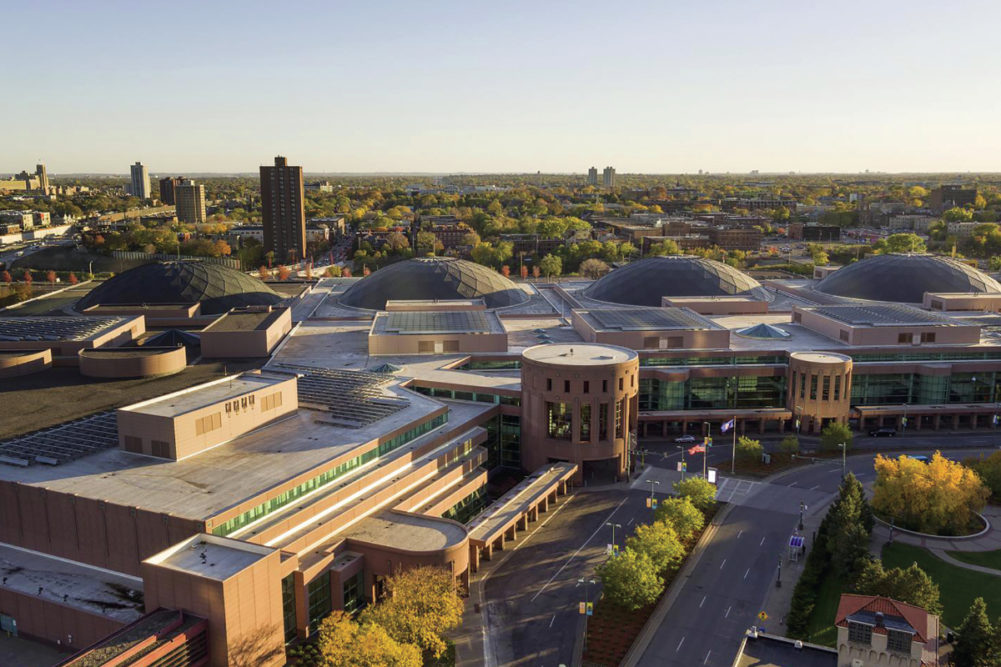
880,631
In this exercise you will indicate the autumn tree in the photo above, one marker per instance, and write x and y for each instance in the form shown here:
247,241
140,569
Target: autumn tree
27,277
50,276
789,444
523,271
333,271
72,279
6,277
749,449
835,434
974,641
630,580
593,268
660,542
940,496
686,519
284,272
911,585
700,492
262,272
421,605
506,271
344,643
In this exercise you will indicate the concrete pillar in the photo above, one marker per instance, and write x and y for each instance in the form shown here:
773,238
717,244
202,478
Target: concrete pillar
955,422
544,505
879,421
761,425
782,426
522,522
474,559
937,422
488,551
684,427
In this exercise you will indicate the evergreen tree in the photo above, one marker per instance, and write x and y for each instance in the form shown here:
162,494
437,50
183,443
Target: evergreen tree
974,645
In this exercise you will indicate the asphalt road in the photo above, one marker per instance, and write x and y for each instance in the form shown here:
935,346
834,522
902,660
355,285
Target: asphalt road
722,597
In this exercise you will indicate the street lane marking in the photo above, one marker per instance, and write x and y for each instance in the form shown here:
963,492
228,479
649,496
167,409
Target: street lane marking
727,612
747,573
630,522
812,488
552,621
722,564
793,484
679,645
703,601
602,525
762,542
707,657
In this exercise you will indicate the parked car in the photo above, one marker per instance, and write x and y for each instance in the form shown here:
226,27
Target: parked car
923,459
685,439
883,432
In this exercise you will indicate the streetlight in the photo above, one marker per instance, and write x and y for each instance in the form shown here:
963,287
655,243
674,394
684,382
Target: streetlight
587,584
614,526
802,506
652,483
844,462
778,577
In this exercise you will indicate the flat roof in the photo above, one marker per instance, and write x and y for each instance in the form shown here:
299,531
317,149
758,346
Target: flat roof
407,531
884,314
202,486
245,320
579,354
58,328
820,357
204,395
646,319
773,651
404,322
211,556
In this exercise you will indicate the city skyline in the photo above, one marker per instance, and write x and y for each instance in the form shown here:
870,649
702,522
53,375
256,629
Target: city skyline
385,89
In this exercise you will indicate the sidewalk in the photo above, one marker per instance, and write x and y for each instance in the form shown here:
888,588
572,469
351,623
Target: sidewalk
990,541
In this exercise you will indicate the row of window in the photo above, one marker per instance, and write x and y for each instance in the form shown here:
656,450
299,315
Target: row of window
459,395
208,423
712,393
327,477
896,640
560,419
271,401
825,383
857,357
585,386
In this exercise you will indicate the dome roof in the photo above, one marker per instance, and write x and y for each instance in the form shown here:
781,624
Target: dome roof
644,282
905,278
218,288
429,278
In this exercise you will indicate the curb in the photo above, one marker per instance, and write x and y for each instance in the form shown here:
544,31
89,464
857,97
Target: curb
645,636
945,538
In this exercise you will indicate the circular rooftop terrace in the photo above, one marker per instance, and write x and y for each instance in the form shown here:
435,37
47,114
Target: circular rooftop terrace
430,279
904,278
644,282
579,354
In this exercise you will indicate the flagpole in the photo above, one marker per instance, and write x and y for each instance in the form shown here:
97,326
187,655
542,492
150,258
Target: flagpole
733,456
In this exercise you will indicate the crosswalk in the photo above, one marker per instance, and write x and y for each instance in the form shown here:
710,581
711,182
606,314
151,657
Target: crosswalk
733,490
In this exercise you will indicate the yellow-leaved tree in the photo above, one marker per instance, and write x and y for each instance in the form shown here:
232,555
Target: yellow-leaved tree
344,643
940,496
421,605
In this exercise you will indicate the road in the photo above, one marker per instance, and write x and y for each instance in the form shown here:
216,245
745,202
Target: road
723,595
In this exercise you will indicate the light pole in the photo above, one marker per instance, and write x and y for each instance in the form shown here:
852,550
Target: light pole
802,507
705,448
614,526
652,483
778,576
587,584
683,467
844,459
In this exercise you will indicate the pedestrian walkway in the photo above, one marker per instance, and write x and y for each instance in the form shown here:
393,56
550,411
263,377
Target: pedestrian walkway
989,541
734,490
969,566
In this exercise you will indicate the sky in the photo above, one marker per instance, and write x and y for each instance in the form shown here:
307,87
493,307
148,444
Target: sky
488,87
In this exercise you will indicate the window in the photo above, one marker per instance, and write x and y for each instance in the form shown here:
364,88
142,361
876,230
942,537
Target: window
936,304
318,595
559,421
621,386
898,640
619,409
425,347
133,444
271,401
837,388
603,421
674,342
826,389
288,607
354,593
802,385
651,342
928,337
160,448
587,387
451,346
604,385
208,423
813,387
549,384
585,422
859,632
904,338
566,386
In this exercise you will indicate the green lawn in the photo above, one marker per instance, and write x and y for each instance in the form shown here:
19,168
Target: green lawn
958,587
990,559
821,629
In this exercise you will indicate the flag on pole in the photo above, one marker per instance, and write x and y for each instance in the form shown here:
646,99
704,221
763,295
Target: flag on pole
727,426
697,449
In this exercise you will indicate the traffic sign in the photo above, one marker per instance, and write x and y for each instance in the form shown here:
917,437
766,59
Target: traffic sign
583,607
762,616
590,609
653,503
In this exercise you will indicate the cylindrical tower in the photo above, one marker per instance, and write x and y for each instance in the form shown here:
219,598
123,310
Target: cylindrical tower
819,389
579,404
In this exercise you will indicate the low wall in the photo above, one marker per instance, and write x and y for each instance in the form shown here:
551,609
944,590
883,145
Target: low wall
55,622
132,362
31,361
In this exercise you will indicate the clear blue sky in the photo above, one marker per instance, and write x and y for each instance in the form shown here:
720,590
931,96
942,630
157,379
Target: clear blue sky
661,86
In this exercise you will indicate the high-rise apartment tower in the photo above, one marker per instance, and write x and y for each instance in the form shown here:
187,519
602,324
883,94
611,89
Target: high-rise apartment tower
608,177
190,202
140,181
592,176
283,213
167,187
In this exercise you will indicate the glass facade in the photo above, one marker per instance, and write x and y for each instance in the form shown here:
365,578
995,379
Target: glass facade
288,607
721,360
354,593
460,395
901,388
712,393
585,422
327,477
318,594
469,507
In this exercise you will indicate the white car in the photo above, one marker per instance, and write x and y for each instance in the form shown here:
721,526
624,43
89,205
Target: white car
684,439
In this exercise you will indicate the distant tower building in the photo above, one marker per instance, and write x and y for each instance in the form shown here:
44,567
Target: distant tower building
167,188
190,198
140,181
608,177
592,176
283,212
43,178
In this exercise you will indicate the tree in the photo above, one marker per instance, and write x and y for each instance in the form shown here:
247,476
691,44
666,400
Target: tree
940,496
262,272
660,542
344,643
701,493
974,642
667,247
835,434
536,272
5,277
911,585
422,604
284,272
957,214
593,268
748,449
27,277
630,580
396,242
50,276
333,271
789,444
686,519
506,271
551,265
